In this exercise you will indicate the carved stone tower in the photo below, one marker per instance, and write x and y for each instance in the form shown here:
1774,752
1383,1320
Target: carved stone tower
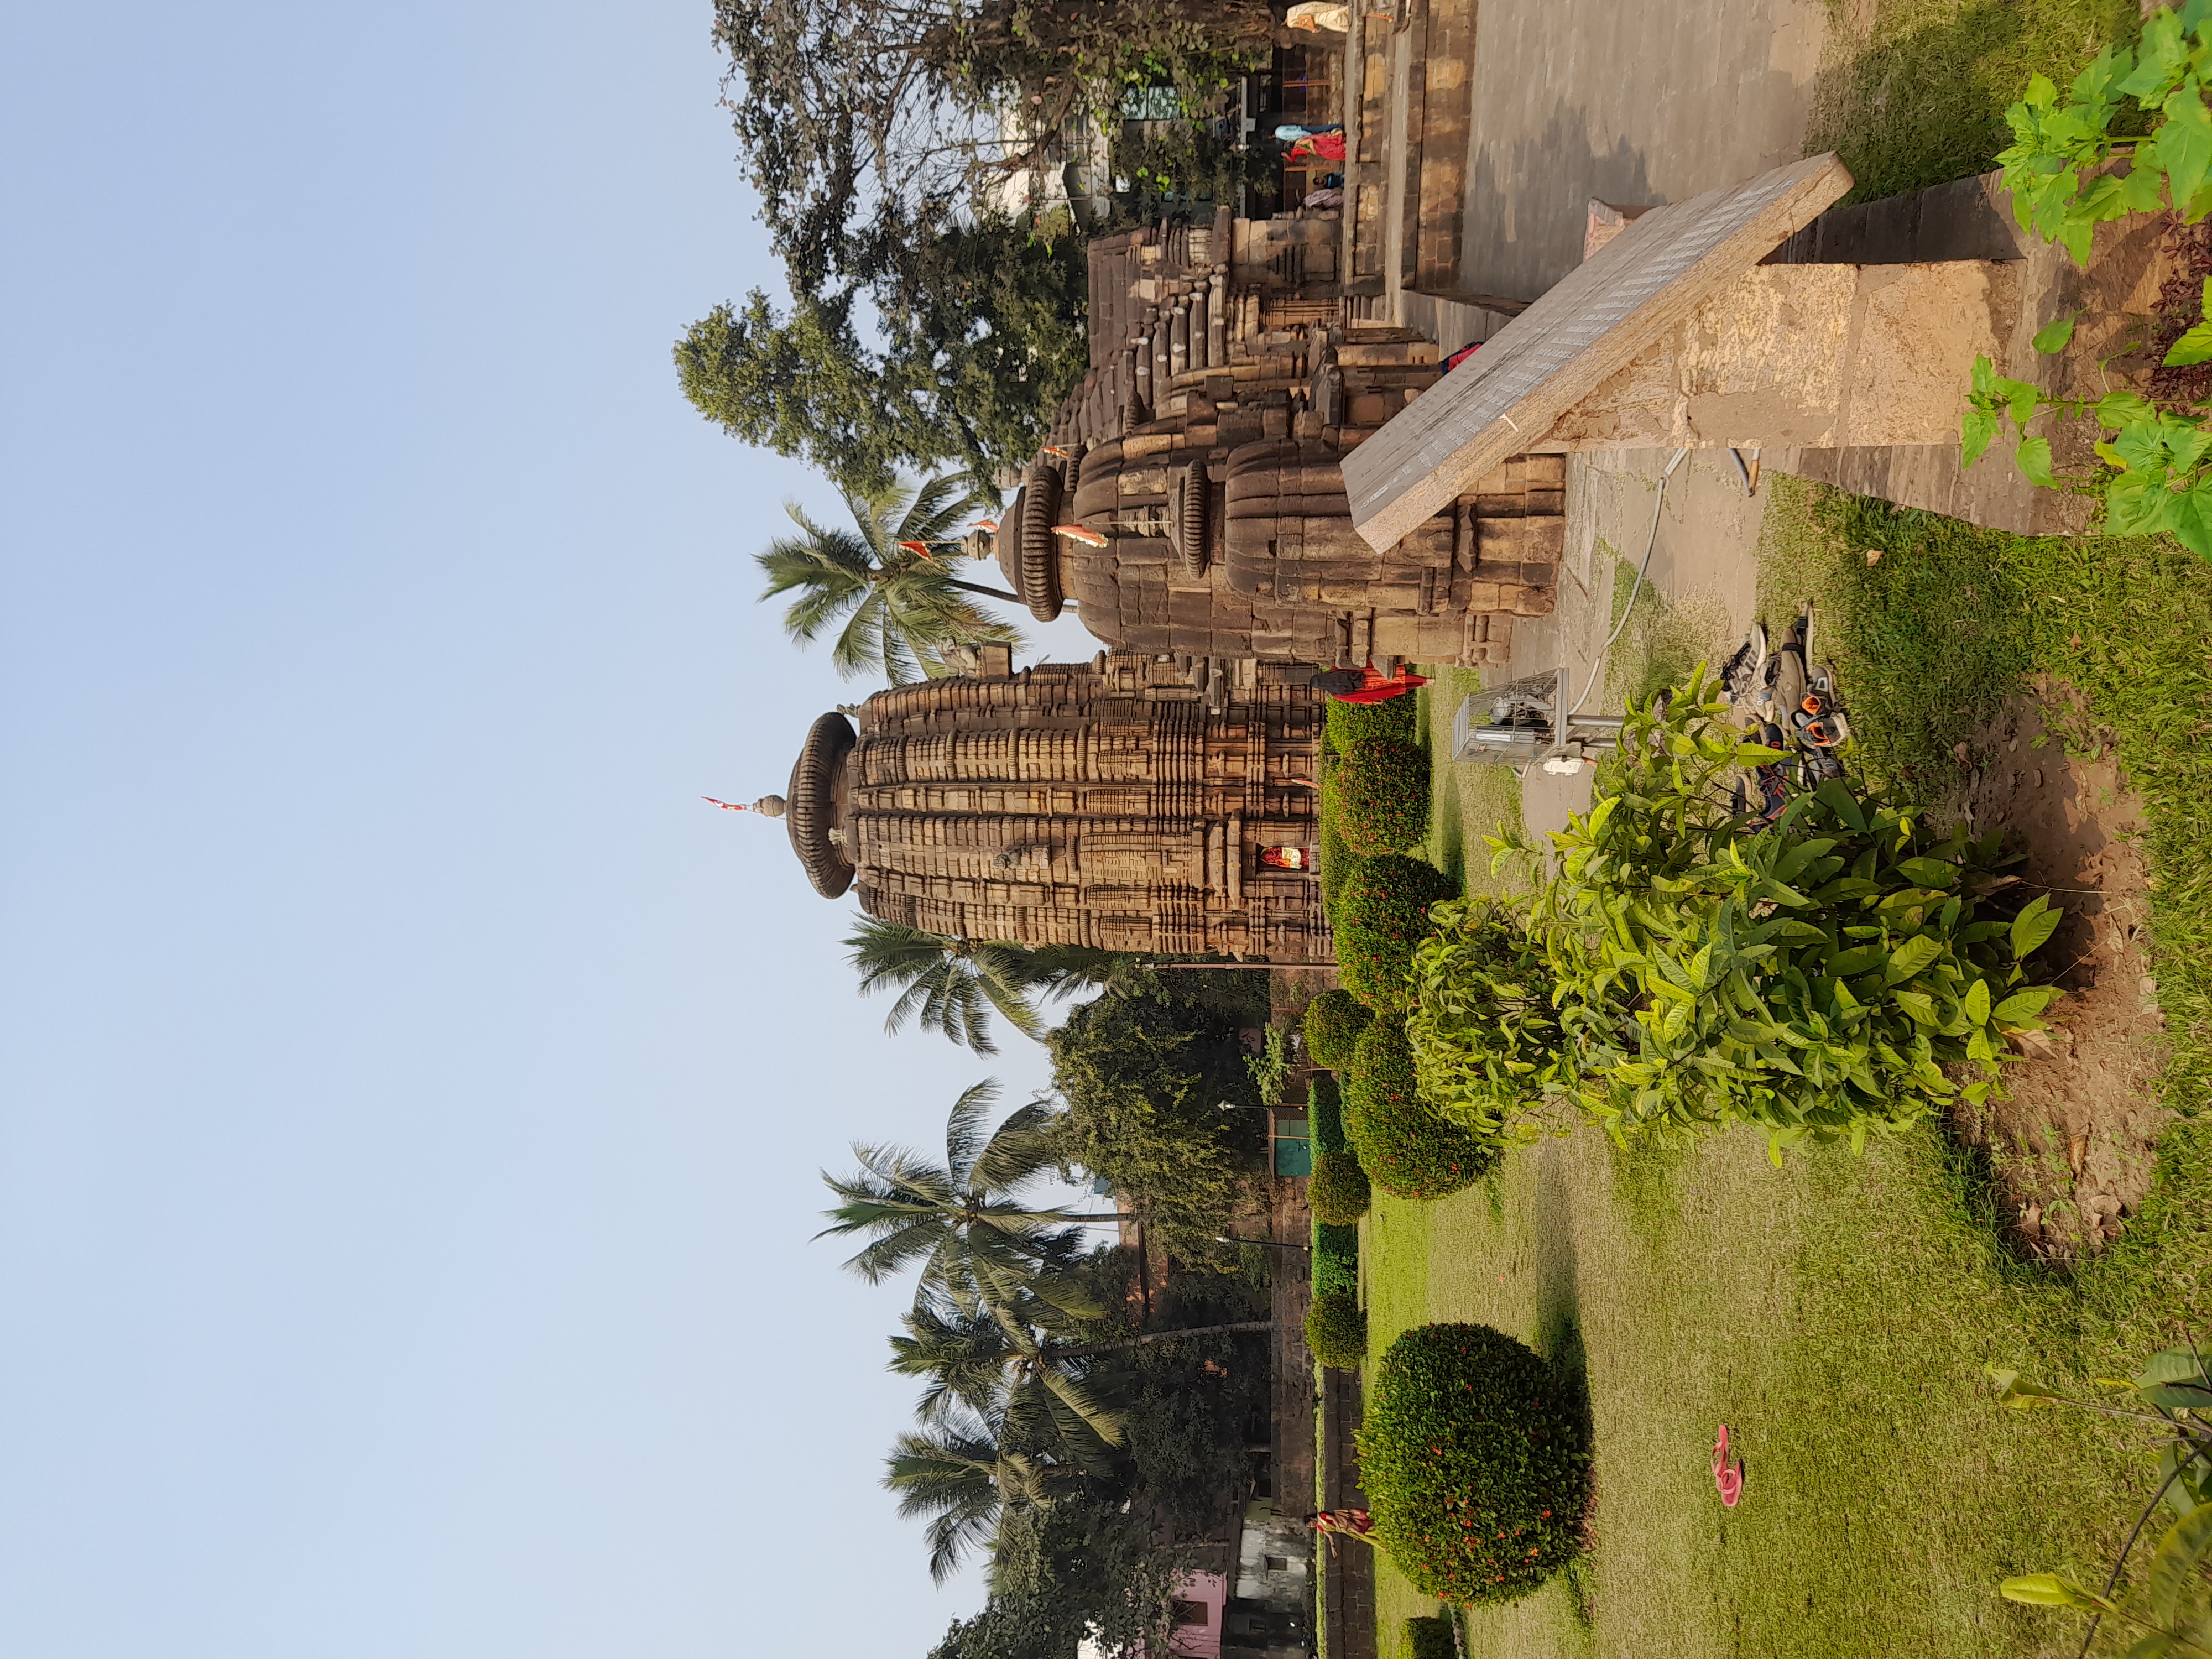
1120,804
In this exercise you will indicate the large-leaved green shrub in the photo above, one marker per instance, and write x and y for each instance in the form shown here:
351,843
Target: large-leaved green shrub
1406,1149
1381,913
1336,1330
1339,1192
1333,1021
1475,1461
1485,1037
1819,977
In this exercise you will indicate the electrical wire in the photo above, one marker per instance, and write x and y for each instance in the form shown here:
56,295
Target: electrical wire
1650,543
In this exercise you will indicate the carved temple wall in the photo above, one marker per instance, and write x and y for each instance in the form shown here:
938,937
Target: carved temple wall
1113,803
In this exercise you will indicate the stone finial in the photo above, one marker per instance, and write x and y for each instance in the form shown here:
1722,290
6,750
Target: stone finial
769,806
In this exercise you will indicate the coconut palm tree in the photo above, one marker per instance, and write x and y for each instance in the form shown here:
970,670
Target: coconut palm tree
950,984
988,1360
966,1473
978,1238
886,585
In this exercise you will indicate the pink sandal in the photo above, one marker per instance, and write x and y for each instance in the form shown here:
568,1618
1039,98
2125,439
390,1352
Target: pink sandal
1727,1477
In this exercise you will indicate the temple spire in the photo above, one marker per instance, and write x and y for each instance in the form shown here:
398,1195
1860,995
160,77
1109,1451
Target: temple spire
769,806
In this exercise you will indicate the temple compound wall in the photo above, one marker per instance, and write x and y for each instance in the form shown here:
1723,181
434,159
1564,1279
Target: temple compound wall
1125,804
1192,500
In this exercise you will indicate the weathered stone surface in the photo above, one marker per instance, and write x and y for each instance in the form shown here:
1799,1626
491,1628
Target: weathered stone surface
1097,804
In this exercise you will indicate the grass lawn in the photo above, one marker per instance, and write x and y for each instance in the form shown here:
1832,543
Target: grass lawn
1916,90
1837,1313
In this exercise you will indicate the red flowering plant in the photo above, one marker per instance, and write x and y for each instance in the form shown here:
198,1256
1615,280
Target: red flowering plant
1381,913
1405,1147
1475,1456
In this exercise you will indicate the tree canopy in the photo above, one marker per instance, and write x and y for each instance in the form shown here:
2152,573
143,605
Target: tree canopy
1145,1077
868,126
981,326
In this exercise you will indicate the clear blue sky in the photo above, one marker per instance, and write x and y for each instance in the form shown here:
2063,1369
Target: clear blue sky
412,1092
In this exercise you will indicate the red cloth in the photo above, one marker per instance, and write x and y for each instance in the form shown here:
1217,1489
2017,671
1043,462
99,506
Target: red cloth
1329,146
1380,689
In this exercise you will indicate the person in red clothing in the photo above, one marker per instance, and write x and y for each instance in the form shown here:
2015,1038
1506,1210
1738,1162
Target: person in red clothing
1367,684
1343,1523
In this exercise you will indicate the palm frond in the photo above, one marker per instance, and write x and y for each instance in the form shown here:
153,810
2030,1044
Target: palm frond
965,1143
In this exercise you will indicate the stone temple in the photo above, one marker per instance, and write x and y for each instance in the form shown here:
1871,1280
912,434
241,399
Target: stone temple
1191,503
1111,804
1192,498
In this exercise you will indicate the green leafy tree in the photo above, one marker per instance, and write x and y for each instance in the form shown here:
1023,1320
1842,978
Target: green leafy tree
896,611
1145,1080
804,385
981,326
985,329
868,127
1089,1566
968,1223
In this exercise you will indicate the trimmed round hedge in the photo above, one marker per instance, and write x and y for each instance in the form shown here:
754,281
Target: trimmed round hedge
1381,913
1427,1638
1379,796
1394,720
1339,1192
1333,1021
1405,1147
1336,1330
1475,1462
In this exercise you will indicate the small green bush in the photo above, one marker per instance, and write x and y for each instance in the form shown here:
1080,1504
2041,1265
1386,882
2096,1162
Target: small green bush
1333,1021
1378,797
1476,1464
1336,1330
1381,913
1339,1192
1406,1149
1428,1638
1325,1114
1395,720
1335,1260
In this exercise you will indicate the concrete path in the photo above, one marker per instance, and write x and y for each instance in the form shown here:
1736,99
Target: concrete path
1631,104
1702,591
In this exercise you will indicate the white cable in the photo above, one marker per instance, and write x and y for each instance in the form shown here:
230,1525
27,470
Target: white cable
1598,668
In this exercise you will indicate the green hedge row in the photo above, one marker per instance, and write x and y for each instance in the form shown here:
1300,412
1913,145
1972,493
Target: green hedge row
1339,1192
1335,1259
1395,720
1378,797
1476,1461
1325,1115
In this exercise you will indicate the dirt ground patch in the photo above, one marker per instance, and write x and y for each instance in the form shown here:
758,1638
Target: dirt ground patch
2073,1143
